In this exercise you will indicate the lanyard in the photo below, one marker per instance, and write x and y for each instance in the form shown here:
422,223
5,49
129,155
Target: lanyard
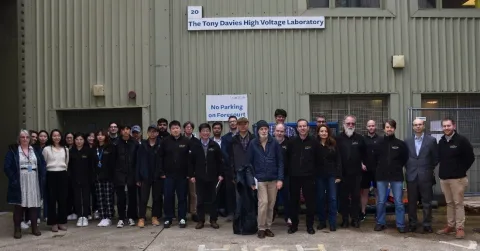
26,156
99,155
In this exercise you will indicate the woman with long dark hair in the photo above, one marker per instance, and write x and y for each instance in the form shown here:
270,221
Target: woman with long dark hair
68,140
91,144
328,178
43,139
103,159
80,169
25,169
56,157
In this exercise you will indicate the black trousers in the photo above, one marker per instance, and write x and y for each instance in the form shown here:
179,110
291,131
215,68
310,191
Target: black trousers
94,199
81,195
230,196
423,187
71,198
157,198
206,193
57,188
350,197
132,193
307,186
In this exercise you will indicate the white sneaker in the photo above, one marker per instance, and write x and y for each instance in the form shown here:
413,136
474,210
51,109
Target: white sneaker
38,221
120,224
70,217
80,222
24,225
96,215
89,217
102,223
74,217
29,223
85,222
108,222
131,222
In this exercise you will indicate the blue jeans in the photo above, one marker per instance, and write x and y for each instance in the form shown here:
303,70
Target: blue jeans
174,186
326,186
397,190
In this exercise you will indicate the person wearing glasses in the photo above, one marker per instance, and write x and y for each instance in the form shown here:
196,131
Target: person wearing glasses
352,148
321,120
24,167
113,132
229,186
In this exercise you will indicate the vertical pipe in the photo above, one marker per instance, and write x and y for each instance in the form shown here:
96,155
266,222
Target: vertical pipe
477,4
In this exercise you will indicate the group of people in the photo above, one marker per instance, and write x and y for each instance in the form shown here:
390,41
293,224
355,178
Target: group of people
251,173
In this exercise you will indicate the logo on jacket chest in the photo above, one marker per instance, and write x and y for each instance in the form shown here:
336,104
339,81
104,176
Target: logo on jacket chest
395,147
308,147
354,143
453,147
84,156
211,149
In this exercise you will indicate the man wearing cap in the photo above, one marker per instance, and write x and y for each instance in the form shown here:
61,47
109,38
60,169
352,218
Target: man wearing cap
265,156
237,149
125,175
149,176
280,116
137,133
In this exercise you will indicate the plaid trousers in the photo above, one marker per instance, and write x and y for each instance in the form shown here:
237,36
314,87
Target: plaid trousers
105,203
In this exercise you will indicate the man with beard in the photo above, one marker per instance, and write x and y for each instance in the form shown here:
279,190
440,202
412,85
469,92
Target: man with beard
217,129
353,151
368,175
162,125
456,157
113,132
265,156
305,160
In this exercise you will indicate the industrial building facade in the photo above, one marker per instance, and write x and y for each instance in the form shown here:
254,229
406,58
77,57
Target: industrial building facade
149,65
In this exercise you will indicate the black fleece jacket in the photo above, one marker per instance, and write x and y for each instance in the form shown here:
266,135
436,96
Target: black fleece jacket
304,157
456,157
391,155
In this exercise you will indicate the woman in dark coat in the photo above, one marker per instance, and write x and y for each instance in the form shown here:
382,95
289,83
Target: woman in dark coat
25,169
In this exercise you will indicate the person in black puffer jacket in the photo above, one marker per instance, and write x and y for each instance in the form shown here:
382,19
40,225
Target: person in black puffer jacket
328,178
125,174
391,155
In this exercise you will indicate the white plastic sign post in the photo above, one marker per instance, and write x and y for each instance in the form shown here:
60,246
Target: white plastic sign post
194,12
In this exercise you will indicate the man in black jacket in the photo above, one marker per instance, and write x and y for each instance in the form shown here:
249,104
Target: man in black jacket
125,176
206,174
304,160
149,164
283,196
369,166
188,128
456,157
237,149
162,125
353,152
175,151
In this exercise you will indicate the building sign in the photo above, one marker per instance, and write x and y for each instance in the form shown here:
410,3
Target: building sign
196,22
220,107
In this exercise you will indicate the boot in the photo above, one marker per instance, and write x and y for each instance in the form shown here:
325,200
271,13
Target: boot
200,225
18,233
213,224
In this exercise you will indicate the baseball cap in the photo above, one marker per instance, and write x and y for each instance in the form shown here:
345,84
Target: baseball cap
136,128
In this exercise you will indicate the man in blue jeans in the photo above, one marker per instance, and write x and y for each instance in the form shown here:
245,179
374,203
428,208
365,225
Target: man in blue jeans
391,155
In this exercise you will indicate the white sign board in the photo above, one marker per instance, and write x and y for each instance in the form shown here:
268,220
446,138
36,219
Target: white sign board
194,12
422,118
255,23
220,107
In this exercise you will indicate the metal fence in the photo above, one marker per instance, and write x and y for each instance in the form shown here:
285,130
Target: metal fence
468,124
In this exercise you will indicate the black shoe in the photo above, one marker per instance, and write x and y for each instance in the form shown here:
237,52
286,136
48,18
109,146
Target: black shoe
427,230
379,227
167,224
333,228
261,234
292,229
321,226
362,216
345,224
269,233
310,230
194,218
401,230
355,224
17,234
412,229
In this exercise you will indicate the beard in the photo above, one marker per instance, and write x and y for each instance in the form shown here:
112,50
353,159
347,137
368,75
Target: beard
348,131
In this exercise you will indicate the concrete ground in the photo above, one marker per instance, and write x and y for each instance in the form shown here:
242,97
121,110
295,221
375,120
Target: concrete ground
156,238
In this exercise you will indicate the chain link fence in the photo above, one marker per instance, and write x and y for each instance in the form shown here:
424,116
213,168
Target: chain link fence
468,124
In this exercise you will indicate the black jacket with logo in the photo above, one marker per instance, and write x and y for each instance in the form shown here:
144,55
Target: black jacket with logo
304,157
125,162
149,161
371,143
207,167
284,146
392,155
176,156
353,152
80,165
104,173
456,157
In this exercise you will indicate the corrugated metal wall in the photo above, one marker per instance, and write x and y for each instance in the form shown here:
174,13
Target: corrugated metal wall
73,45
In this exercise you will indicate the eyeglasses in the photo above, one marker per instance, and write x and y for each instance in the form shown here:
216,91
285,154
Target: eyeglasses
417,124
321,121
113,126
232,122
350,124
24,137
